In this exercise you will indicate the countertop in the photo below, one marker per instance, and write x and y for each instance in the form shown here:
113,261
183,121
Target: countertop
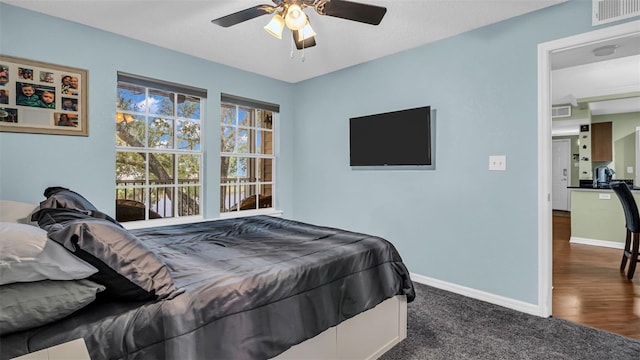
588,185
602,188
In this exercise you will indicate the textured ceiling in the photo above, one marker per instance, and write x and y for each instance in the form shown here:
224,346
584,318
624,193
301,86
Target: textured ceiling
185,26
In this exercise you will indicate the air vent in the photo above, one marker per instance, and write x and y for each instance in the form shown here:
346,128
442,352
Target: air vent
606,11
561,111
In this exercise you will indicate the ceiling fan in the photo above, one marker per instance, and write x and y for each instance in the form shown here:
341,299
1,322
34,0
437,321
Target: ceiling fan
291,14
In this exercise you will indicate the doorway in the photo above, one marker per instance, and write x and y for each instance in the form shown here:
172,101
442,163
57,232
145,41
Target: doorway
545,52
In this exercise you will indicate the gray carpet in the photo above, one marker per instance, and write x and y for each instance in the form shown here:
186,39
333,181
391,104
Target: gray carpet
443,325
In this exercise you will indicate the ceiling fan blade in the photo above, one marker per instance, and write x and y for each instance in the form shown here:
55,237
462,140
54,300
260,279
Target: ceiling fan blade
243,15
370,14
303,44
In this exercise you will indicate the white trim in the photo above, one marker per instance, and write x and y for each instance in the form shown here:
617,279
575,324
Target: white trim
545,253
480,295
596,242
544,182
245,213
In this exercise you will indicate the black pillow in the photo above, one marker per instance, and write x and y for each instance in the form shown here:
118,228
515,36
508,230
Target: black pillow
62,198
48,216
126,267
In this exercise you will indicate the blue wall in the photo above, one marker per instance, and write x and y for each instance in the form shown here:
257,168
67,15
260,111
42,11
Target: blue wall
459,223
30,163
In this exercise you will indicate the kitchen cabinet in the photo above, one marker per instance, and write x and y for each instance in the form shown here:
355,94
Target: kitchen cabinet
601,142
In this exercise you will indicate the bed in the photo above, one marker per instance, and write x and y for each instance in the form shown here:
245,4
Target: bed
256,287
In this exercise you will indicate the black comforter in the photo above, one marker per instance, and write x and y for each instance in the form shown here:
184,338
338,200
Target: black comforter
254,287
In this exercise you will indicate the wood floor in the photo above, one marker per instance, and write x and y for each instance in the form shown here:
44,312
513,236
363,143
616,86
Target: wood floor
588,287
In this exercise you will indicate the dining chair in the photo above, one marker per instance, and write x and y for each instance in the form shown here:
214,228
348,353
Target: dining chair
632,241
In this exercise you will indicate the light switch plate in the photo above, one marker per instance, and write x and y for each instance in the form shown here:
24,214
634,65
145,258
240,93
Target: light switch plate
497,162
629,169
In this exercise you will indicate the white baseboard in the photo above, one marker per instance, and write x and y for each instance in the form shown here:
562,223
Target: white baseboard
517,305
596,242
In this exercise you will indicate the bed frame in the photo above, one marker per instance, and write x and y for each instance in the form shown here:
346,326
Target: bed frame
365,336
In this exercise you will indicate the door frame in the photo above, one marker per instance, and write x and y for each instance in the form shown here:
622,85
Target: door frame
567,144
545,237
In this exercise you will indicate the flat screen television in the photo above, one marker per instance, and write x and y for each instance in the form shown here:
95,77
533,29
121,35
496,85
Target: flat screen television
397,138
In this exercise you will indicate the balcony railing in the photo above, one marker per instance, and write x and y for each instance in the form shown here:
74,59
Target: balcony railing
232,195
131,194
240,194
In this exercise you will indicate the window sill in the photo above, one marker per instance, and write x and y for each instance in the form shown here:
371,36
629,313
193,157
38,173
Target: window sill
131,225
245,213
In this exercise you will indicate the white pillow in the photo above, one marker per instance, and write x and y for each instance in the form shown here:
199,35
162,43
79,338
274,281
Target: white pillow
27,255
15,211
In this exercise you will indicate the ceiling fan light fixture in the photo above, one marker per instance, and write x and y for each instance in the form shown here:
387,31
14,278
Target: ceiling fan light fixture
275,26
306,32
295,17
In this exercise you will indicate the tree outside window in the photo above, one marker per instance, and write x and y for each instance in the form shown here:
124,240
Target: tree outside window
247,163
158,153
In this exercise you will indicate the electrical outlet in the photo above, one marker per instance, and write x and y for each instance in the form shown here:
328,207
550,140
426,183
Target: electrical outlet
497,162
629,169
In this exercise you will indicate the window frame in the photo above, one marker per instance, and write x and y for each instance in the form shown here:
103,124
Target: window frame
177,91
255,107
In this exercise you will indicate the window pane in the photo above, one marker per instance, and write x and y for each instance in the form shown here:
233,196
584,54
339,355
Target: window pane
130,168
265,170
245,116
161,202
264,141
249,197
160,102
228,115
188,107
265,196
130,204
129,130
130,194
242,142
188,169
161,168
242,168
264,119
188,135
252,170
131,97
160,133
228,139
188,200
228,165
229,198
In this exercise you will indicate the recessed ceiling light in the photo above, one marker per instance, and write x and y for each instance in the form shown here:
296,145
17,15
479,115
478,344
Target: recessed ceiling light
605,50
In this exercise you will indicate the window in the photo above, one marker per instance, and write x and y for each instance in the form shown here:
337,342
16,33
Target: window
247,157
158,149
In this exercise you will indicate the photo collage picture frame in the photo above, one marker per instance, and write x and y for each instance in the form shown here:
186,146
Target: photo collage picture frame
38,97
